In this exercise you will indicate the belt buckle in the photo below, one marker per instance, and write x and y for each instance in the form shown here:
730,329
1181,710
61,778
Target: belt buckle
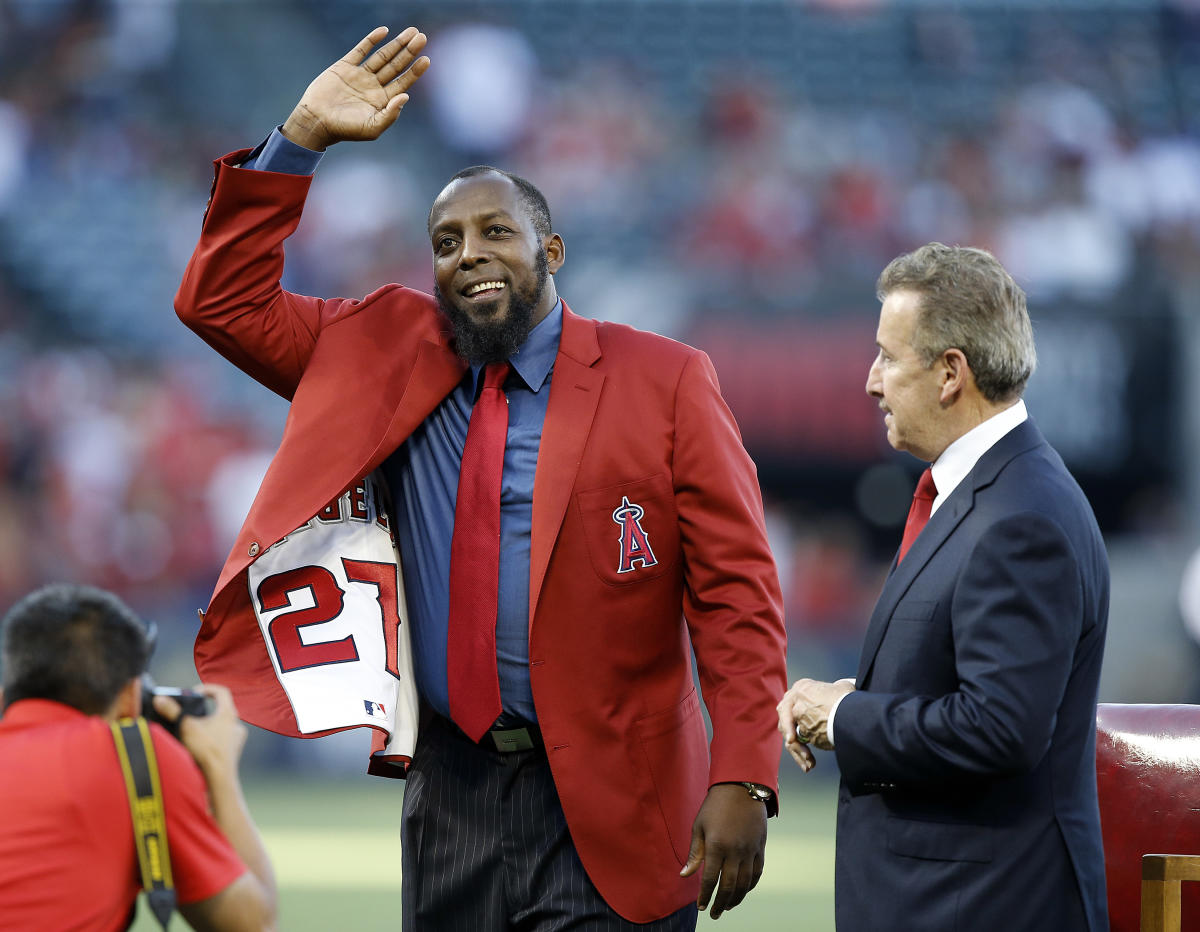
512,739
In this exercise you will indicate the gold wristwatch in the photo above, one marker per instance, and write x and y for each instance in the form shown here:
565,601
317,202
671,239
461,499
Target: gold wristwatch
764,794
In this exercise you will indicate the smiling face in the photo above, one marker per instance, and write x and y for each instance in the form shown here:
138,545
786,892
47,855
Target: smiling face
908,391
491,269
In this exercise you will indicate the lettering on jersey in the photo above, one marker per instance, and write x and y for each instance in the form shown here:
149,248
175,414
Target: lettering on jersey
635,544
380,504
363,500
356,501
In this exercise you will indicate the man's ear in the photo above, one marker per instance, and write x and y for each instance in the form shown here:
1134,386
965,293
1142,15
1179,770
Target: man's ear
556,252
955,374
128,703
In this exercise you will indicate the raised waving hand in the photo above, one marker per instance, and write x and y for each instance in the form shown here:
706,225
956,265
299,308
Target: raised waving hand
360,95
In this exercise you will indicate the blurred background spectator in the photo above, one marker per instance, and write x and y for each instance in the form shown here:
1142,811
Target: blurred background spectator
734,173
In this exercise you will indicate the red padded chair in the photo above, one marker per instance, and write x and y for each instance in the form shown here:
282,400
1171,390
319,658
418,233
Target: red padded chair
1148,774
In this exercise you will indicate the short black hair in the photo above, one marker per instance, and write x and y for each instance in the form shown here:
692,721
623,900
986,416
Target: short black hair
533,199
73,644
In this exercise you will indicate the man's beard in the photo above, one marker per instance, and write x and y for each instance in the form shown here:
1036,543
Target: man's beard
481,342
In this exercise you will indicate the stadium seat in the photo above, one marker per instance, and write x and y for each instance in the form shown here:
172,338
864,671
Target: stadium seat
1148,769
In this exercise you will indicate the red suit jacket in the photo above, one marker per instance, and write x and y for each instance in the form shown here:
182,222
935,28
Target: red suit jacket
631,415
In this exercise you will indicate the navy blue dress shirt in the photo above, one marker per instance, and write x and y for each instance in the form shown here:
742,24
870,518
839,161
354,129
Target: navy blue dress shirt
423,477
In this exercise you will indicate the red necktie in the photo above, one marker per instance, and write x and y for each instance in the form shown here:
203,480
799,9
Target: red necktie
918,512
475,562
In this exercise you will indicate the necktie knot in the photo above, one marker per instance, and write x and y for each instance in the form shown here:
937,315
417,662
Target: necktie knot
918,512
926,490
495,373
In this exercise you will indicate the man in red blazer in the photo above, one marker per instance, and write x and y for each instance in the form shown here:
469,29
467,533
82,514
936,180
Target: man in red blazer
631,533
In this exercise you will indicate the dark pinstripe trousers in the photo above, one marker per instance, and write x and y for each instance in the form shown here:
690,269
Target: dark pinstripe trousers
486,846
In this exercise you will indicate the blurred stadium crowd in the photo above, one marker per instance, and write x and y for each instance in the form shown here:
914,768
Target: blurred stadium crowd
730,172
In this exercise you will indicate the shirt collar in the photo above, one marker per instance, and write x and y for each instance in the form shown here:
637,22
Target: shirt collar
958,459
534,358
39,711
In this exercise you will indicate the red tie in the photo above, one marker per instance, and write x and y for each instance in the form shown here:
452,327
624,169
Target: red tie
475,563
918,512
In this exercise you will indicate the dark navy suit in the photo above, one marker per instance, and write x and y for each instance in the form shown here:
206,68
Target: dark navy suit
968,795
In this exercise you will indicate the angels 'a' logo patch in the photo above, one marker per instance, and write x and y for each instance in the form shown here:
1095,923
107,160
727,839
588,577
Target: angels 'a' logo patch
635,544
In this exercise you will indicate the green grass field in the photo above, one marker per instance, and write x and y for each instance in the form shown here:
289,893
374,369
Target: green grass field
336,850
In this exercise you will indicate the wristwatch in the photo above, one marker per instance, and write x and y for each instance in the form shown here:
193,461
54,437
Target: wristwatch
764,794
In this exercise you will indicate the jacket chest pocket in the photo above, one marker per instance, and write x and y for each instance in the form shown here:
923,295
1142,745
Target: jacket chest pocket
913,612
631,529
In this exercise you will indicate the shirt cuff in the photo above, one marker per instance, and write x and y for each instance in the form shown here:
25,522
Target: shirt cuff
280,154
829,721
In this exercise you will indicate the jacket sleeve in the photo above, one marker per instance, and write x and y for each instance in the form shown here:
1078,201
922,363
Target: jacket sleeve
231,295
732,601
1017,618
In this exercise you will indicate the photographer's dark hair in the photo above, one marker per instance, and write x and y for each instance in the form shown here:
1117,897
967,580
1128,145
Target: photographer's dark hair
73,644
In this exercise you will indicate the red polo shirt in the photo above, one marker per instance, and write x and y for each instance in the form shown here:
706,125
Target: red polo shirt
67,858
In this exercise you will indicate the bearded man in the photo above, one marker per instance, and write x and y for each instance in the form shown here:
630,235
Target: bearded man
573,515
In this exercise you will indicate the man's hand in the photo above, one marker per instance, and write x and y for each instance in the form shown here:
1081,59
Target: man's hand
804,717
358,97
728,837
214,740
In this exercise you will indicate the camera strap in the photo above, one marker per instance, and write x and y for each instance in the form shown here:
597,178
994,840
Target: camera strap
135,750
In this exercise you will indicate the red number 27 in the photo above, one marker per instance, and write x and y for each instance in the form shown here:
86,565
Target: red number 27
328,598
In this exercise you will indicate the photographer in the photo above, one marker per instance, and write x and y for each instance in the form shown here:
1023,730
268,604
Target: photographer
73,658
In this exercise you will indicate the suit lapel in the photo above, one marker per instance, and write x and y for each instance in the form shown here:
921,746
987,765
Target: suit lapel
949,516
940,526
435,373
574,396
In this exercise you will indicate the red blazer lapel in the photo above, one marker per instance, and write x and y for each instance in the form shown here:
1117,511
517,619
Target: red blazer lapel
574,396
435,373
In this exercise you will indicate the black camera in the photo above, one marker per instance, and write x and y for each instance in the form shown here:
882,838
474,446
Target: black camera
190,703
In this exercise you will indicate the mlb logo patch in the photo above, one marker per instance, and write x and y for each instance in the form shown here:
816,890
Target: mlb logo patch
374,708
635,543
